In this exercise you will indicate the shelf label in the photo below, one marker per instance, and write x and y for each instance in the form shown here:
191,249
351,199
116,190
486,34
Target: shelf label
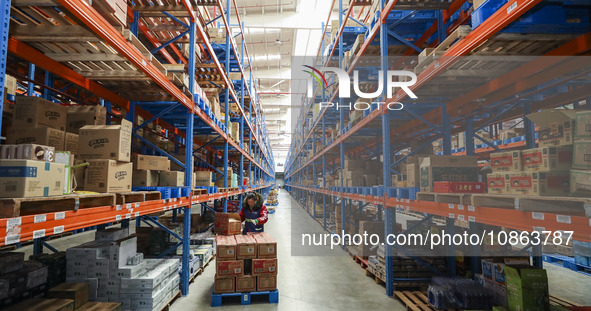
13,222
563,219
471,219
537,216
512,7
471,208
58,229
174,206
12,239
452,216
40,218
119,207
137,214
460,207
38,233
128,205
451,206
118,218
461,217
137,204
127,216
60,215
164,208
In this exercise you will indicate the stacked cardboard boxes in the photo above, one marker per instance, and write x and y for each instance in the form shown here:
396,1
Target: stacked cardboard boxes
447,168
154,171
20,279
580,175
247,263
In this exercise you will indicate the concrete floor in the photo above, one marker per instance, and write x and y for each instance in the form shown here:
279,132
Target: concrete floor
329,282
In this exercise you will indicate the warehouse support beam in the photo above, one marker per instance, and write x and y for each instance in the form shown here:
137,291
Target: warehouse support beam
4,24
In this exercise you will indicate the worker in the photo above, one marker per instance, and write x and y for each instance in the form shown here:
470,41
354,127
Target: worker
253,213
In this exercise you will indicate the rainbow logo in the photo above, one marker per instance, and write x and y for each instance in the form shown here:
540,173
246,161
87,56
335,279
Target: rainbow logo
317,74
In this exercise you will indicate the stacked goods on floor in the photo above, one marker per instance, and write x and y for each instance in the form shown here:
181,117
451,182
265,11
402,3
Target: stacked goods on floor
272,198
457,293
245,263
20,279
56,267
116,272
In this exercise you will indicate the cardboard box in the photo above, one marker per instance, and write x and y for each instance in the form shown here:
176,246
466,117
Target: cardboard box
71,143
266,283
79,116
171,179
447,168
108,176
369,228
497,183
36,135
79,172
580,182
225,247
246,283
146,162
224,285
106,142
506,161
582,155
145,179
202,179
38,112
264,266
29,178
459,187
246,247
583,125
527,288
28,152
539,183
229,267
8,152
413,174
227,223
555,126
75,291
547,159
67,159
267,246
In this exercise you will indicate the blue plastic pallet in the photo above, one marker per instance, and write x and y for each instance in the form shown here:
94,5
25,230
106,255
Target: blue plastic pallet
216,299
271,211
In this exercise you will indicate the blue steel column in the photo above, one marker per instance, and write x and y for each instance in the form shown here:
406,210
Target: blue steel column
250,175
314,181
446,130
390,214
469,136
49,80
4,24
241,141
323,96
530,130
31,85
226,102
342,123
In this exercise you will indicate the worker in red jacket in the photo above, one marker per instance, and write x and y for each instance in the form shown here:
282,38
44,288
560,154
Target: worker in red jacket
253,213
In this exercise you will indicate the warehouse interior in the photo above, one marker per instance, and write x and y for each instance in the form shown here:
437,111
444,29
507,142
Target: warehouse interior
295,155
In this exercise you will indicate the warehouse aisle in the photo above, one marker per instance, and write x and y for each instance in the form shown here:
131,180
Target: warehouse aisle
304,282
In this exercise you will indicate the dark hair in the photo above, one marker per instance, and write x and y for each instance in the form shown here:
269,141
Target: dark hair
252,196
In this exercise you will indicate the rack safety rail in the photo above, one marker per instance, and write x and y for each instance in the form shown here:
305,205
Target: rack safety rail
131,80
529,81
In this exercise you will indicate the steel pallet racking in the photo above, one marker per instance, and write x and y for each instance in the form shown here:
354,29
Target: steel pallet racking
512,93
177,31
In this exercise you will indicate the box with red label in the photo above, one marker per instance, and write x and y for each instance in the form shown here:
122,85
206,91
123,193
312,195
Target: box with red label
246,247
539,183
458,187
506,161
264,266
225,247
230,267
267,246
555,126
227,223
266,283
224,285
547,159
496,183
246,283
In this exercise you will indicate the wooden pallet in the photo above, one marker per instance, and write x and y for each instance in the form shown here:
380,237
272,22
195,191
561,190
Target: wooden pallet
171,301
526,203
414,300
557,301
430,55
454,198
376,275
137,196
521,44
361,260
196,192
15,207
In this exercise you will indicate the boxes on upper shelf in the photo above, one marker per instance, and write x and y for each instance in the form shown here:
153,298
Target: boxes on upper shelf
29,178
36,135
145,179
172,179
146,162
506,161
202,178
555,126
580,182
582,155
106,142
447,168
538,183
548,159
37,112
583,125
108,176
79,116
71,143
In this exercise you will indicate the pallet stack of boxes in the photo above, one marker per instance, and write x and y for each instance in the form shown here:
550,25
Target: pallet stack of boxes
116,272
154,171
272,197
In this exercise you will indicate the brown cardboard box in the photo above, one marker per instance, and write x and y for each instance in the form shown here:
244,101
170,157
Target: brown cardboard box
29,178
264,266
28,152
108,176
539,183
75,291
145,178
246,247
266,283
246,283
224,285
171,179
582,155
547,159
38,112
583,125
496,183
580,182
506,161
227,223
412,175
202,179
369,228
106,142
267,246
36,135
9,152
229,267
225,247
447,168
71,142
555,126
79,116
154,163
